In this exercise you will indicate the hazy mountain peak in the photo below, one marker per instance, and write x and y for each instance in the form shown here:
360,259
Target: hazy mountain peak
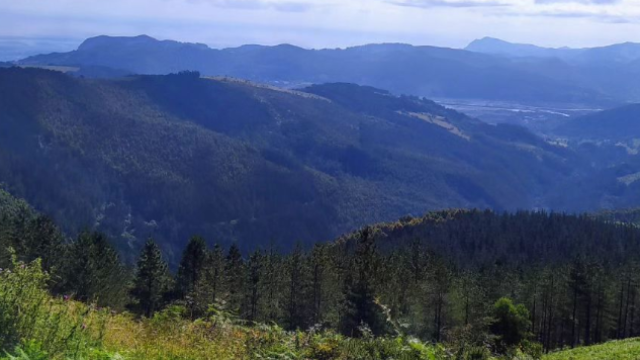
489,45
103,42
289,47
487,40
383,47
616,53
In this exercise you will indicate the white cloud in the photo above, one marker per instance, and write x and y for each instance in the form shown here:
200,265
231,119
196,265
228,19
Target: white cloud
448,3
329,23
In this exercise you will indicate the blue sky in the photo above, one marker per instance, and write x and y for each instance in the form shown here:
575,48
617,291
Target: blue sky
62,24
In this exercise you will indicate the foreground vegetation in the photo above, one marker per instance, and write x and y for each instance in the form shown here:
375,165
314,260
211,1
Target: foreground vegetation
614,350
43,327
35,325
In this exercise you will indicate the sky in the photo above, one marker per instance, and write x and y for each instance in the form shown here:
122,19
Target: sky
60,25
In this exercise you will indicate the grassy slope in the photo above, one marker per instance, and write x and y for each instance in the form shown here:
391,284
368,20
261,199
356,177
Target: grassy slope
615,350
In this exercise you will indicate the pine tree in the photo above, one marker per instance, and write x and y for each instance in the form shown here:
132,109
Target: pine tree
360,307
215,273
192,266
318,264
152,280
33,237
94,271
254,278
440,284
297,289
272,287
234,279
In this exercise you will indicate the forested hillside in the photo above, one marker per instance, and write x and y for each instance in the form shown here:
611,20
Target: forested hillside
610,140
618,125
480,284
177,155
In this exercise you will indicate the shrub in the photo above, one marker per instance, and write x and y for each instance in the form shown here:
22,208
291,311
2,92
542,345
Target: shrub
37,323
511,322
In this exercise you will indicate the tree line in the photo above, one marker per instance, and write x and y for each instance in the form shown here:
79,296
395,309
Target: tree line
565,280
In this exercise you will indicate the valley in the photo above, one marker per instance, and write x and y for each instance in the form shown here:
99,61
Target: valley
539,119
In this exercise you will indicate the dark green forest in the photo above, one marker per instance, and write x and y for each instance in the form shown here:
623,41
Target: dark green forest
171,156
563,280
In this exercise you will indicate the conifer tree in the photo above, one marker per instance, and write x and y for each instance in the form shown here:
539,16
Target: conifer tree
254,278
45,242
272,286
94,271
297,289
234,278
152,280
318,264
214,275
360,308
191,267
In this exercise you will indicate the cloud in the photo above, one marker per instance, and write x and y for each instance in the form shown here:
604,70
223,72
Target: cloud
293,6
283,6
328,23
449,3
600,17
586,2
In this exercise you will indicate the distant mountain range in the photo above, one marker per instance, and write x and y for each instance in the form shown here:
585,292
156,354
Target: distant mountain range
489,45
403,69
16,48
625,54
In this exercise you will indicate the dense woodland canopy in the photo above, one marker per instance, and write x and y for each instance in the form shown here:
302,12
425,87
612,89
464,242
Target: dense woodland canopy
172,156
439,277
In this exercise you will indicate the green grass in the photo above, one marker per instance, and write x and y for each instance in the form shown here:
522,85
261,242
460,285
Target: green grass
614,350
